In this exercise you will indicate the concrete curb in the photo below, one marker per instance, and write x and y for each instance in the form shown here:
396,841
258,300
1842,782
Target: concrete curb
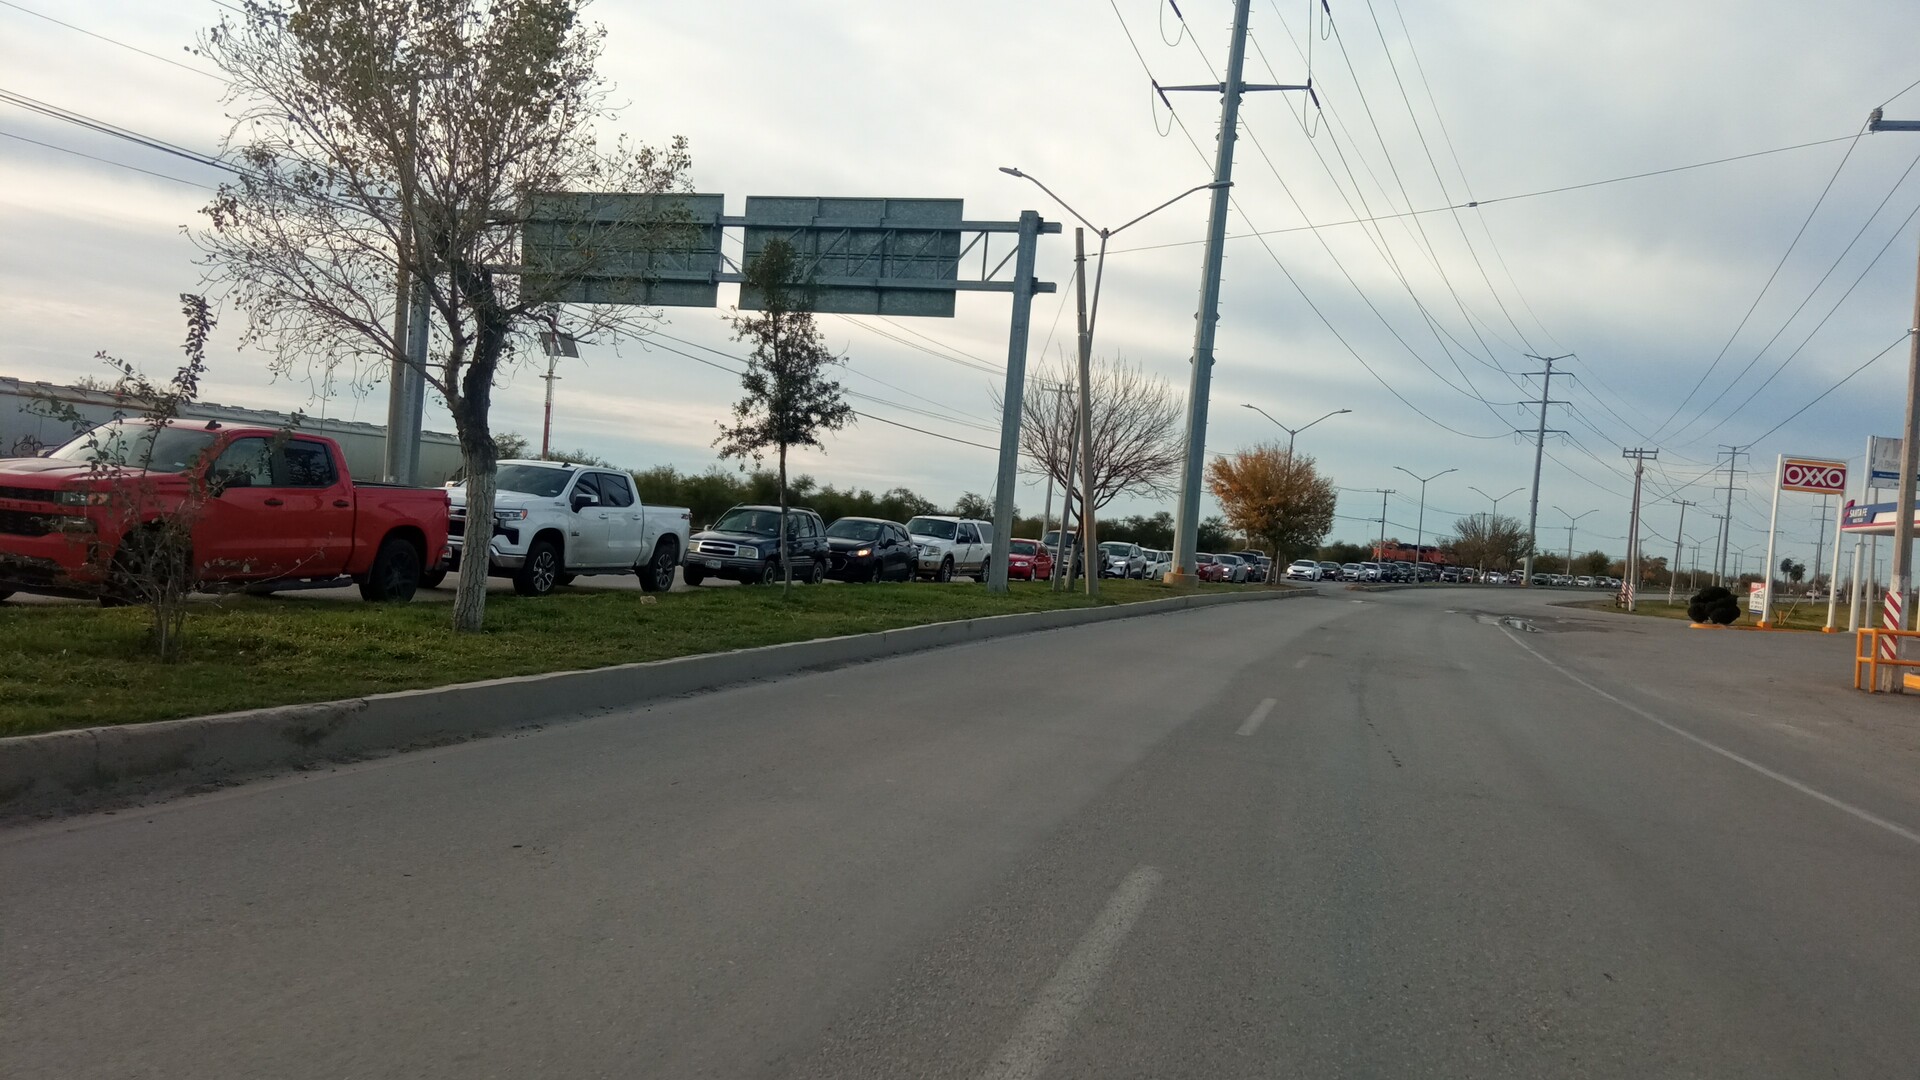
91,767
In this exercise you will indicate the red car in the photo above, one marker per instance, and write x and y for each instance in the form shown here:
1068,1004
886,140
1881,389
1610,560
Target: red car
1206,568
1028,560
266,506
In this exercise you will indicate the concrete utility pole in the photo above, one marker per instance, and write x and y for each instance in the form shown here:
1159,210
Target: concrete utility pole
1420,529
1539,451
1007,476
1062,554
1679,537
1902,586
1380,549
1085,444
1640,459
1733,453
1187,524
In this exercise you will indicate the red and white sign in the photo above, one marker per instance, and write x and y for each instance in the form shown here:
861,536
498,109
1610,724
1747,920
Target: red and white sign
1818,477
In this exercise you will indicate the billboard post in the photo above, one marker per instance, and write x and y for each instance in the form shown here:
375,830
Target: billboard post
1814,475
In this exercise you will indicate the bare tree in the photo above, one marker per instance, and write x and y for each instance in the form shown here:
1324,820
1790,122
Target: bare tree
150,509
790,401
380,142
1137,439
1488,540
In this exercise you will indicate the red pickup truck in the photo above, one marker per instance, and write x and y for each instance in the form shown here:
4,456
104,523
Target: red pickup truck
266,506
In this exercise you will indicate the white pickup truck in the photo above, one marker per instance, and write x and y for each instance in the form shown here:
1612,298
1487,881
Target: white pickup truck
553,521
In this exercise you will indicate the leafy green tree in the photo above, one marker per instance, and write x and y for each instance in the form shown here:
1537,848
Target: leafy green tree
1277,496
1594,563
972,505
790,399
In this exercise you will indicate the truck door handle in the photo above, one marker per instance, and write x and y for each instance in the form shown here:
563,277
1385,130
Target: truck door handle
275,502
342,503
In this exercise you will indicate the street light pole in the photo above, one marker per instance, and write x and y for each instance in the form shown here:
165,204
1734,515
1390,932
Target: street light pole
1292,433
1491,517
1572,520
1420,526
1089,315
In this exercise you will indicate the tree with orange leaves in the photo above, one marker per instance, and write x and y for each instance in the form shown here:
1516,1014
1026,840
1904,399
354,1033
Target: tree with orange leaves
1279,497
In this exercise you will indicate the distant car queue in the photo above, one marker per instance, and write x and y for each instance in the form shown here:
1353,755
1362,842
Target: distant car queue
744,546
1396,571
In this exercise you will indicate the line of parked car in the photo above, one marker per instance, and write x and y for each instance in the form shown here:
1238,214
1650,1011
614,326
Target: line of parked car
270,510
1399,571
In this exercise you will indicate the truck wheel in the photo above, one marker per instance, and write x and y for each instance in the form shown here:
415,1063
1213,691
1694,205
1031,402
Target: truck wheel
395,573
945,573
770,572
431,579
693,575
541,572
657,574
818,575
986,571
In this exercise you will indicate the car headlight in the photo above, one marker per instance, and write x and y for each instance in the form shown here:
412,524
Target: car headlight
509,515
83,498
863,553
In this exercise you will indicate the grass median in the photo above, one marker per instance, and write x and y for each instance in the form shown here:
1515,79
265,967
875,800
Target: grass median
66,666
1805,615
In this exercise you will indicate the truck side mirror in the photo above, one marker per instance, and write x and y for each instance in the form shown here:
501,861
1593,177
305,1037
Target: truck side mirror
583,499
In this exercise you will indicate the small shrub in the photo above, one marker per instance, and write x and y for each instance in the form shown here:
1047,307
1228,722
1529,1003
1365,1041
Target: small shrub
1714,604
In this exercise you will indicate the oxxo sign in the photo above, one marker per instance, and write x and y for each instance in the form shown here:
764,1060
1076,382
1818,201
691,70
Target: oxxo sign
1818,477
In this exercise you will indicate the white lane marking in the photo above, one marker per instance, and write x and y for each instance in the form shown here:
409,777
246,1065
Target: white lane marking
1259,716
1048,1022
1867,816
1302,662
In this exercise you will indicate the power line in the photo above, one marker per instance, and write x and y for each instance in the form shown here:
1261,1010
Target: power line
112,41
109,161
1848,377
105,128
1764,383
1471,391
1768,284
1475,203
856,412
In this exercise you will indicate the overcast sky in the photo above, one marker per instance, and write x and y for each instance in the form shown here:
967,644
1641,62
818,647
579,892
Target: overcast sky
1645,281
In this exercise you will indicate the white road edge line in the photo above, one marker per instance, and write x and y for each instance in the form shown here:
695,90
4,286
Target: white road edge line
1047,1023
1867,816
1259,717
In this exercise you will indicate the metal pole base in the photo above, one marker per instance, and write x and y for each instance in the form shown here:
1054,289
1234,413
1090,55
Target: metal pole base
1184,581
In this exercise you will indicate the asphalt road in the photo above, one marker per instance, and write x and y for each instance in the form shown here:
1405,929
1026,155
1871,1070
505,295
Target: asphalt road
1365,835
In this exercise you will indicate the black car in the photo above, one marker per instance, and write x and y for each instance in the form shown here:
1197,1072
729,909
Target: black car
869,549
744,545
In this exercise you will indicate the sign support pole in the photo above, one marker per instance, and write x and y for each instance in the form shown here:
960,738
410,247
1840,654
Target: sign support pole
1833,579
1773,524
1008,478
1853,598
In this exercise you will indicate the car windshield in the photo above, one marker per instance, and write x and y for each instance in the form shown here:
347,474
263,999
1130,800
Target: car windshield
849,529
1305,562
544,481
1024,547
752,522
139,444
932,527
1116,549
